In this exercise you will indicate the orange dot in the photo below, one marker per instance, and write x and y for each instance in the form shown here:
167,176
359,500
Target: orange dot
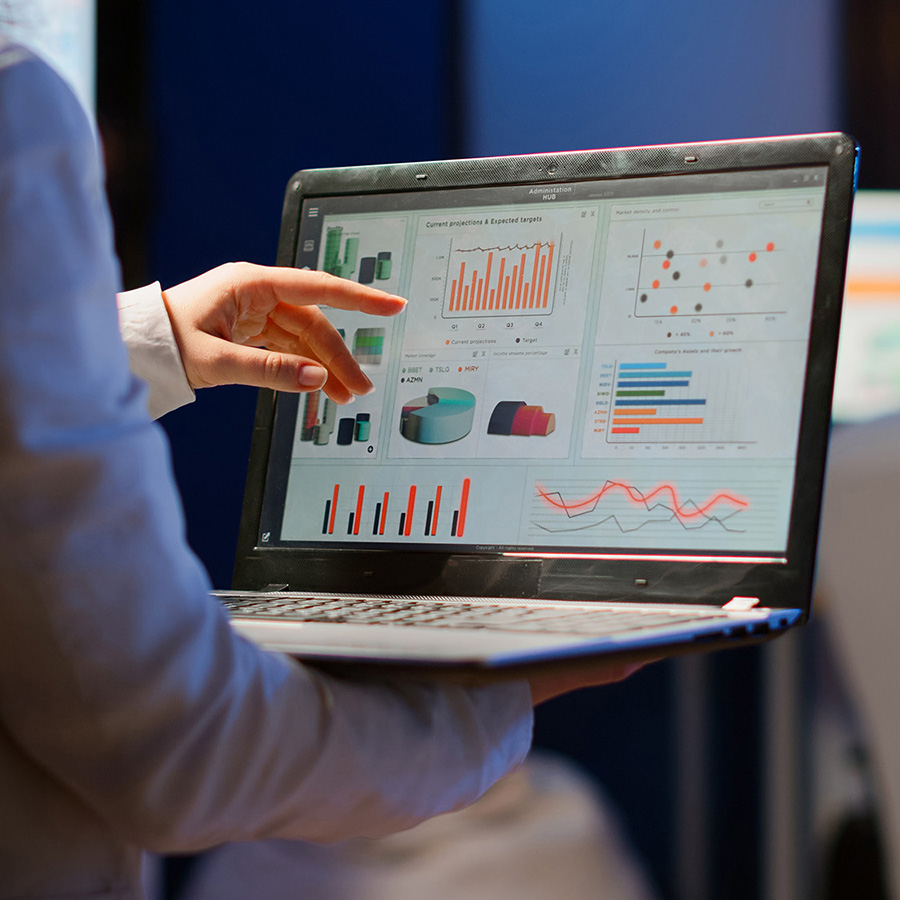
447,343
703,263
770,246
656,283
460,369
707,286
712,334
752,257
666,264
673,309
657,245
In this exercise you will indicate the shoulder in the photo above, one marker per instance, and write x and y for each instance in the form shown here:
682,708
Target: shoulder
37,107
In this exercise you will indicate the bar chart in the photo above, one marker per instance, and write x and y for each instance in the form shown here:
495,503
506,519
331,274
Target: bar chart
502,280
697,399
654,402
439,511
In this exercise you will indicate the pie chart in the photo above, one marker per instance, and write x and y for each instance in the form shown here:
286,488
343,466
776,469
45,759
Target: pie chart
443,415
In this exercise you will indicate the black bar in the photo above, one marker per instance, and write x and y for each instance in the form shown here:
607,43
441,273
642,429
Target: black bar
367,270
377,518
428,517
350,523
327,517
402,523
455,520
346,428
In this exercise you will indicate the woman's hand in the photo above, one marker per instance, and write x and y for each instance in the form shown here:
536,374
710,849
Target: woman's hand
260,325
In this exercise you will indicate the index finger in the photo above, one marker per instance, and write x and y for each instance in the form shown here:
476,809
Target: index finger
305,287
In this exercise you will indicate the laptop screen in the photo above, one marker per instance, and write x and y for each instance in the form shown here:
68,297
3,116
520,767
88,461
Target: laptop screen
605,367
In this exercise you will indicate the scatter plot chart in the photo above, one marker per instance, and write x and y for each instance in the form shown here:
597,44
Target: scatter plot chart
682,273
708,261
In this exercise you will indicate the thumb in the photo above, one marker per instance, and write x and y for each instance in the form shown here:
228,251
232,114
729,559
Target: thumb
238,364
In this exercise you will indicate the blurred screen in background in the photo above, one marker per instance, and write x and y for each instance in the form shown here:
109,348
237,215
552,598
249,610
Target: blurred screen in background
868,373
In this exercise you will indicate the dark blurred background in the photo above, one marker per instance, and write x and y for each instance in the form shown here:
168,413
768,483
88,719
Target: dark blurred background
208,106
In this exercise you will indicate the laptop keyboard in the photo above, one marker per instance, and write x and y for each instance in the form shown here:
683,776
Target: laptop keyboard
505,617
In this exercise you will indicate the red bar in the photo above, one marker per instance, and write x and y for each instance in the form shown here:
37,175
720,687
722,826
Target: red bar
409,511
384,504
521,277
540,290
515,277
487,278
506,288
333,510
625,430
463,504
534,274
462,274
466,298
667,421
549,267
472,292
359,502
480,286
453,296
500,281
437,507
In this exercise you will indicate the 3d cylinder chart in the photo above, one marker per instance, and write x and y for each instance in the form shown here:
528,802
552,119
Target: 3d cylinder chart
342,257
516,417
443,415
320,422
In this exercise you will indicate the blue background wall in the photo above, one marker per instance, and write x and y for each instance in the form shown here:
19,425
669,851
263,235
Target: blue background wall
238,103
241,97
596,73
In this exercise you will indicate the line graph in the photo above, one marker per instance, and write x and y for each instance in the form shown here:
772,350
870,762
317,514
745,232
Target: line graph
651,506
629,509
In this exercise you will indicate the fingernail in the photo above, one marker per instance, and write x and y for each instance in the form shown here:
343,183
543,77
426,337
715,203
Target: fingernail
309,376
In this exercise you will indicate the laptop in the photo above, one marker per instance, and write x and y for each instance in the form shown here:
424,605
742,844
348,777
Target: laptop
599,427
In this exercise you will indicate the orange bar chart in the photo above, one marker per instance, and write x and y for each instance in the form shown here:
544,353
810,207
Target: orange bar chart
512,280
370,505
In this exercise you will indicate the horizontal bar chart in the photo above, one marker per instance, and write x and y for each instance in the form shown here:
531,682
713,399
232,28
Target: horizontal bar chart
645,401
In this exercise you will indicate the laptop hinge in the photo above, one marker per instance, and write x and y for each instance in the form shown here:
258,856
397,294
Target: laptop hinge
741,603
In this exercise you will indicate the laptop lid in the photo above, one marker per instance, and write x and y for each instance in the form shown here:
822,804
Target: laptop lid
612,381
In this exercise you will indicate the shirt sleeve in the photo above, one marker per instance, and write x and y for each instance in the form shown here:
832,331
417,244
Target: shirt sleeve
119,675
152,350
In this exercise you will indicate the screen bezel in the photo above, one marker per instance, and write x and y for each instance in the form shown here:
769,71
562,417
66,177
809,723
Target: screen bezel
577,576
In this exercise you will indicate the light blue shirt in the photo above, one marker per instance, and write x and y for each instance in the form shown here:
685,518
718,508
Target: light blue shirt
131,715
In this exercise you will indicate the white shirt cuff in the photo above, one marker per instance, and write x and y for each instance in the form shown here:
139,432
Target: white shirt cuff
152,351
